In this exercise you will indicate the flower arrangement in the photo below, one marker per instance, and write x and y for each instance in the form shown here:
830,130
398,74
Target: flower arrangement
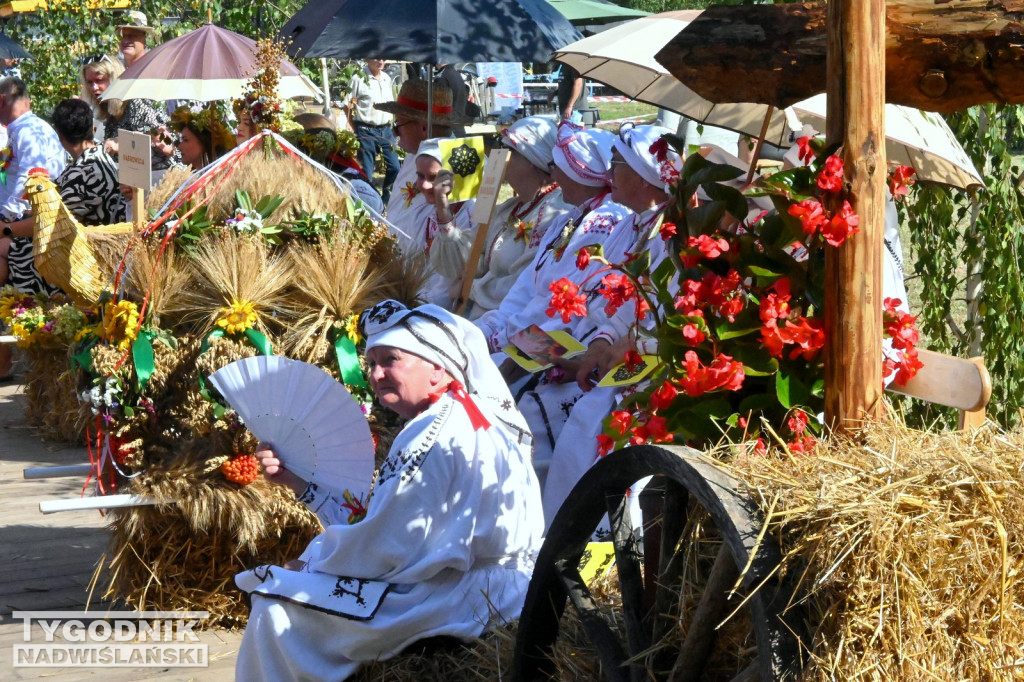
735,308
207,120
43,321
6,155
260,100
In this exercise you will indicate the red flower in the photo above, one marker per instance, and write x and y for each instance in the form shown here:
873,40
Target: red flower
806,150
620,421
693,335
771,339
900,325
830,179
604,445
841,225
618,290
760,447
566,300
798,422
656,430
708,246
900,181
659,149
811,214
723,373
906,370
802,445
775,305
582,259
667,230
808,335
663,397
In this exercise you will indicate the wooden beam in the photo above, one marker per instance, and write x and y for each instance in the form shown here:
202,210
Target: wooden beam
939,56
853,272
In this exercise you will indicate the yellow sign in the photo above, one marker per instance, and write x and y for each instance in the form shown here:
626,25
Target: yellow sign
598,558
465,158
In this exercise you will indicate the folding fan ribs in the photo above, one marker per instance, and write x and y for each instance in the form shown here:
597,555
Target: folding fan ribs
313,423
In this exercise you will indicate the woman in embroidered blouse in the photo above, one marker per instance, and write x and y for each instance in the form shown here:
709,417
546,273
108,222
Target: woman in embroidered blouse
451,529
517,226
88,186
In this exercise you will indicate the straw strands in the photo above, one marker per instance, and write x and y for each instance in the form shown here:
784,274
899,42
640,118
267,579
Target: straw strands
909,548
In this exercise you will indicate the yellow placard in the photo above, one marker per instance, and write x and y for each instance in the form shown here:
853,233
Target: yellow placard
620,375
534,349
598,558
464,156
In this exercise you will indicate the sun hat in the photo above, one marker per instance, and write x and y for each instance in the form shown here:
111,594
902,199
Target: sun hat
451,342
137,22
412,103
658,165
534,137
584,154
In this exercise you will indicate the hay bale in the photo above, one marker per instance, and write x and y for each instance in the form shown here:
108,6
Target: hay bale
51,389
910,551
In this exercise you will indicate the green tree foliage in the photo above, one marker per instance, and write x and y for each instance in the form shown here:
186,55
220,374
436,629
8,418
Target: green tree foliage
969,252
61,36
655,6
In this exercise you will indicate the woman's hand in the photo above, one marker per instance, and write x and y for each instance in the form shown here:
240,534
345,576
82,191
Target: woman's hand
444,183
111,146
163,142
600,357
274,471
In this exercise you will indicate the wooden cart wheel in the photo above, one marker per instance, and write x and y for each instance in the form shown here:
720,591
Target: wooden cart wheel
704,533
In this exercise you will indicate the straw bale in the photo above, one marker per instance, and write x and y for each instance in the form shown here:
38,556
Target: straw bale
173,178
909,547
159,273
52,396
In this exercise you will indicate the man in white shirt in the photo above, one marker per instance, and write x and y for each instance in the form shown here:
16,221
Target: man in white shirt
373,126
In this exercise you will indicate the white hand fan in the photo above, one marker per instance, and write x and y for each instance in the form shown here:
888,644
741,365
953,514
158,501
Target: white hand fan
316,427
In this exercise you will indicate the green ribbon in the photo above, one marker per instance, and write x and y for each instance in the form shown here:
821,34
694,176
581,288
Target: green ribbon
261,342
348,361
142,356
83,358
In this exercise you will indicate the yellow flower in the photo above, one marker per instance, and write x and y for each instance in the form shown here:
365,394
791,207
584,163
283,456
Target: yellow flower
7,308
82,333
23,335
120,323
237,317
352,328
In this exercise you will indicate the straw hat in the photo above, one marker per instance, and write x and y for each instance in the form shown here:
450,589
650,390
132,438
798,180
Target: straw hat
137,22
412,103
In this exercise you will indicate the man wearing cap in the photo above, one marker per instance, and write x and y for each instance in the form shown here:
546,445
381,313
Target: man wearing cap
132,36
451,531
372,126
407,210
582,161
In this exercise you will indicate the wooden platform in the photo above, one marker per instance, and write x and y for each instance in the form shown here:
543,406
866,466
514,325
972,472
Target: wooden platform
48,560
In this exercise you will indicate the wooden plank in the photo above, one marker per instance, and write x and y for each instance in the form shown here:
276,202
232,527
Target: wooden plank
853,272
950,381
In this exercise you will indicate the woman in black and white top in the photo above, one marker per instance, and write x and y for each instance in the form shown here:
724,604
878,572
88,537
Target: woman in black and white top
88,185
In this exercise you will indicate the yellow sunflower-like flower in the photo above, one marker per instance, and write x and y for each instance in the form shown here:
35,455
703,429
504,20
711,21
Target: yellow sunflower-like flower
352,328
120,323
237,317
24,336
7,308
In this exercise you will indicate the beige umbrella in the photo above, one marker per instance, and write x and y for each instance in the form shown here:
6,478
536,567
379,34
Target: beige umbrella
623,58
207,64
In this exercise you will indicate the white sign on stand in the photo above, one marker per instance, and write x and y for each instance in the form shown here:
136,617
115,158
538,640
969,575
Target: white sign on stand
135,159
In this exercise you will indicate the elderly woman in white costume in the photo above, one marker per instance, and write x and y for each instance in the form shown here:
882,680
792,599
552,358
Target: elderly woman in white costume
517,226
582,162
640,181
451,528
447,221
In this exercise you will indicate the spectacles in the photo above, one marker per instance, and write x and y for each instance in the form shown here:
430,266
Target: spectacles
397,126
95,59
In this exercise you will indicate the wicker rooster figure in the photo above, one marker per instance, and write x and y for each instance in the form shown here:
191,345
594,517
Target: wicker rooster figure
66,252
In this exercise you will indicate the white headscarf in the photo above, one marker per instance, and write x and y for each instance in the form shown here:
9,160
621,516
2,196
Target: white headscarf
534,137
431,148
634,144
584,154
450,342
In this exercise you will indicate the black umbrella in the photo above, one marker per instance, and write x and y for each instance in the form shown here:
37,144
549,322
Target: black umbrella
429,31
10,49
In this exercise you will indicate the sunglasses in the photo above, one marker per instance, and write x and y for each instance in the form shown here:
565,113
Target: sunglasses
95,59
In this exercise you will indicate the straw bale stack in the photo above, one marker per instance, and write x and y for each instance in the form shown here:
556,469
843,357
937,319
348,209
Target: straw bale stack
51,389
909,547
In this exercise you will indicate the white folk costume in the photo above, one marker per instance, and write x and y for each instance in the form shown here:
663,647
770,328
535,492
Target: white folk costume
407,209
584,155
576,449
449,538
514,232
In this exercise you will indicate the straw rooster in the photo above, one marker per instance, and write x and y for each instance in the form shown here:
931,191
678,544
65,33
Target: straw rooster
77,258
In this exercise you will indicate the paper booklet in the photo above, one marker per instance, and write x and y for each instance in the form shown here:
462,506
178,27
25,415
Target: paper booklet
534,349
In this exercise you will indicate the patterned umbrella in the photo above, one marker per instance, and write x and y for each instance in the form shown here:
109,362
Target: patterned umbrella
210,63
429,31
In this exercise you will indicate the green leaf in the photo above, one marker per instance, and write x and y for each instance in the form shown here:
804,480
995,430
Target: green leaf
755,359
128,411
790,390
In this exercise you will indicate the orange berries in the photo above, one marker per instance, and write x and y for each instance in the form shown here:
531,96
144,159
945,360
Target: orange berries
241,469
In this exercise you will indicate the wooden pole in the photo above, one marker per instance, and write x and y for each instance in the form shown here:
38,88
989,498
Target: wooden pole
853,286
483,210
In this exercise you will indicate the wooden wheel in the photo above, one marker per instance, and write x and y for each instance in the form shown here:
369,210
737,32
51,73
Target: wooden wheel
702,537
